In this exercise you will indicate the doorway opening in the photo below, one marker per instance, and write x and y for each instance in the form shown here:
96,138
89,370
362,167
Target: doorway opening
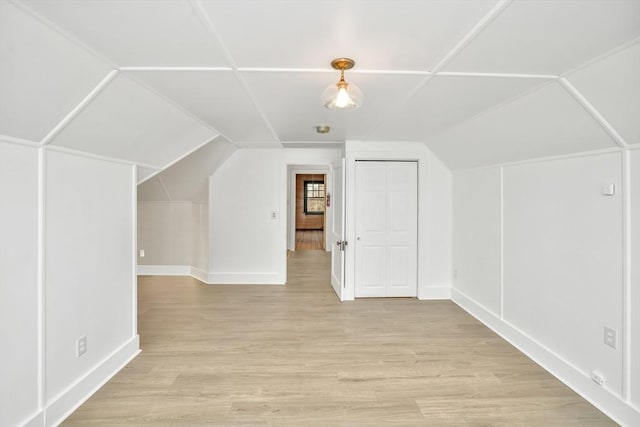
310,222
310,211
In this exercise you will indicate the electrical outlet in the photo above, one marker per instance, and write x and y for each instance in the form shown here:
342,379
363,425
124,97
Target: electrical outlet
597,378
610,337
274,215
141,253
81,346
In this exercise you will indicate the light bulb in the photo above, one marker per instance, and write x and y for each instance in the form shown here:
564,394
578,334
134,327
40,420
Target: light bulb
342,96
343,100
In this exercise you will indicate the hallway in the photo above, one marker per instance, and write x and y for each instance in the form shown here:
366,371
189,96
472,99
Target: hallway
293,355
309,239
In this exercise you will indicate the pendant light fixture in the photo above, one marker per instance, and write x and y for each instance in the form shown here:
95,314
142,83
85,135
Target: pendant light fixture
342,95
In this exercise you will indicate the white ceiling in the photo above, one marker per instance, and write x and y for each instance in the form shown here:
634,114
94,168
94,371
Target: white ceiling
39,87
480,82
187,180
613,85
549,36
546,122
128,121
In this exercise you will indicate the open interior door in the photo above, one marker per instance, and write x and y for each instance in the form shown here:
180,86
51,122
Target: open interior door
337,232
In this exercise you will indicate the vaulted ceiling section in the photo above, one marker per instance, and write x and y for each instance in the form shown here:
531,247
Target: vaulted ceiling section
479,82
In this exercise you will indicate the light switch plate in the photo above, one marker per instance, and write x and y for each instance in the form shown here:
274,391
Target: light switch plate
610,337
608,189
81,346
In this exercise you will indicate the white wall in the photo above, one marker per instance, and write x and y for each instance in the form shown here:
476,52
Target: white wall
182,233
476,236
434,213
633,300
89,271
311,156
563,258
172,234
246,245
66,271
435,227
154,233
19,291
201,237
560,278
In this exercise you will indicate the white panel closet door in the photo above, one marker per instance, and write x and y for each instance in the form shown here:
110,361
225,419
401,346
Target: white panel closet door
371,227
386,229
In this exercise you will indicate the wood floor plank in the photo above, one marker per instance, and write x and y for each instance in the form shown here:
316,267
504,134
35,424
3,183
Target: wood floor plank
309,239
295,356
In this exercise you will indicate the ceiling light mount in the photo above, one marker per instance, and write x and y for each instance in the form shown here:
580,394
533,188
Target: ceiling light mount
342,95
343,63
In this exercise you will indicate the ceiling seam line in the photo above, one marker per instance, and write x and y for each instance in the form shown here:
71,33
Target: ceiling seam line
172,68
204,16
391,72
19,141
595,114
497,75
66,35
480,26
79,108
327,70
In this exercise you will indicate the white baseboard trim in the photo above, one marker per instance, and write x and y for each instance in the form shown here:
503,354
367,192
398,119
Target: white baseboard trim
164,270
36,420
199,274
600,397
211,278
434,292
245,279
75,395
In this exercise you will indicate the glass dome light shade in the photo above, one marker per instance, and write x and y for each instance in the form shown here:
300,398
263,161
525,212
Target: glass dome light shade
342,96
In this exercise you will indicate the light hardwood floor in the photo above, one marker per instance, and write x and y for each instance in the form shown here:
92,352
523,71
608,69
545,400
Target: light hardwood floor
294,356
309,239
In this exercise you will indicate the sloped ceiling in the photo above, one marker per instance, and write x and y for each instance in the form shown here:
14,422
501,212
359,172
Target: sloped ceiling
613,85
42,75
187,180
480,82
545,122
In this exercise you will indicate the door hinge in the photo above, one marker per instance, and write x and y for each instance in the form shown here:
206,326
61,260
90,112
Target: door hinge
341,244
